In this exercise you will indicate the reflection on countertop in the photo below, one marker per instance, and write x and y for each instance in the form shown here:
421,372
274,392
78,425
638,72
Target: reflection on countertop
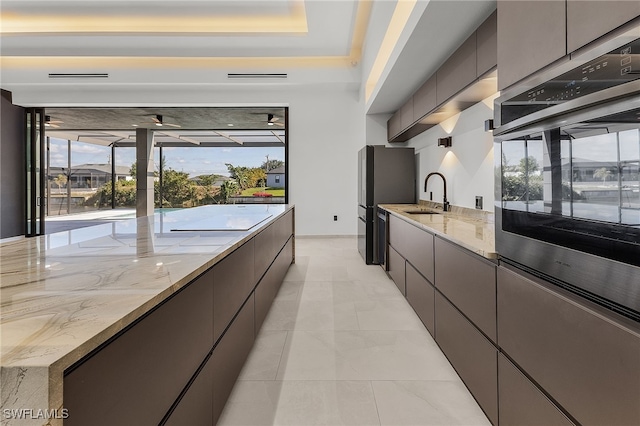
469,228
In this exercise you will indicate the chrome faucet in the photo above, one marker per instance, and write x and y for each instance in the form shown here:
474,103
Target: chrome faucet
445,203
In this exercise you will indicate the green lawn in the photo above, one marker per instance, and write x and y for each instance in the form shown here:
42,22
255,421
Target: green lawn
276,192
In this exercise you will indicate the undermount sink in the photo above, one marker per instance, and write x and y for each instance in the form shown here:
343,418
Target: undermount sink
421,212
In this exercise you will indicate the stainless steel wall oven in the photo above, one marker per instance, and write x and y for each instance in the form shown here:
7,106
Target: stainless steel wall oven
568,174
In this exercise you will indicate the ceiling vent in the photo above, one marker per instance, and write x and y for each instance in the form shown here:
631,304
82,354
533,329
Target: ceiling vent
79,75
268,76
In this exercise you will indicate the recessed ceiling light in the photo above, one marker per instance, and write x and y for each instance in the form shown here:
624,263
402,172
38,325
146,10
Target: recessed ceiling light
134,125
230,125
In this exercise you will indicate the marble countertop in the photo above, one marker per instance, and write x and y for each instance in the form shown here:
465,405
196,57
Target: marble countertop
471,229
64,294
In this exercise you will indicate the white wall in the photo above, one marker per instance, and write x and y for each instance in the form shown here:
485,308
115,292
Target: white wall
467,165
326,131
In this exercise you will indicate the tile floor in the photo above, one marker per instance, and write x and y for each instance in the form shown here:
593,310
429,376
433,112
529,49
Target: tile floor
341,346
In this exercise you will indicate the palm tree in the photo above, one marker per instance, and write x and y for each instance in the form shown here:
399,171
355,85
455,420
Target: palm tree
228,189
60,180
602,173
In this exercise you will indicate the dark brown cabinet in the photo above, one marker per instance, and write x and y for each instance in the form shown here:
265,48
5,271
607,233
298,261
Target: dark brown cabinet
531,35
196,406
406,114
534,34
589,20
487,45
424,100
230,354
474,58
394,125
268,287
233,282
458,71
586,360
396,265
469,282
521,402
420,295
137,376
471,354
414,244
180,361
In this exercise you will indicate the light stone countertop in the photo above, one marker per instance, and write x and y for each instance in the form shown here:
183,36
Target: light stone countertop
471,229
62,295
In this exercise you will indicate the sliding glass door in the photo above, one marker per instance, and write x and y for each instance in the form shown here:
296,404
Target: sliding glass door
35,161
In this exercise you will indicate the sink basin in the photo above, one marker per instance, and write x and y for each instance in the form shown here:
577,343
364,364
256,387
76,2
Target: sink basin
421,212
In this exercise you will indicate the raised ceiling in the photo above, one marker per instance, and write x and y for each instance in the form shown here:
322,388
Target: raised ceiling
188,47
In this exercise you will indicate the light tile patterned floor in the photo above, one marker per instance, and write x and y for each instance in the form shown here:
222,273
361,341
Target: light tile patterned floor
341,346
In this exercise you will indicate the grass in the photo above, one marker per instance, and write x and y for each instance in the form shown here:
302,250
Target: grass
276,192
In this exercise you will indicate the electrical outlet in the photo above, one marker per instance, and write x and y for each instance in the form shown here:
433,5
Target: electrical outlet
335,218
478,202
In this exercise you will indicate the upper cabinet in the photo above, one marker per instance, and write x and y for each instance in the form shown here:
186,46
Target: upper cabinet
394,126
589,20
406,114
424,100
447,87
487,45
534,34
531,35
458,71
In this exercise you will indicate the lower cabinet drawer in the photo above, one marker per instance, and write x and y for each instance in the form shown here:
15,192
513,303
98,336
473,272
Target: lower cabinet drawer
521,403
471,354
421,295
230,354
584,358
196,406
268,287
233,281
396,265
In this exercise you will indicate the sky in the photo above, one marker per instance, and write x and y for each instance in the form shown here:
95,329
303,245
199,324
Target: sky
195,161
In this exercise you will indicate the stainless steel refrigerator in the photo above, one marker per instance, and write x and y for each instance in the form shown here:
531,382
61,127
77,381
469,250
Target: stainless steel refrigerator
385,176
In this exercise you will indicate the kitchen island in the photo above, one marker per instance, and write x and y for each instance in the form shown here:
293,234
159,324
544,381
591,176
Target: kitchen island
96,320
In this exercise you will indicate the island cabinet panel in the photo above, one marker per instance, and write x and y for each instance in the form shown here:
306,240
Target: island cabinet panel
270,241
471,354
589,20
521,402
268,287
230,354
469,282
196,406
396,266
233,282
137,376
585,358
531,35
414,244
283,230
457,72
421,294
265,249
